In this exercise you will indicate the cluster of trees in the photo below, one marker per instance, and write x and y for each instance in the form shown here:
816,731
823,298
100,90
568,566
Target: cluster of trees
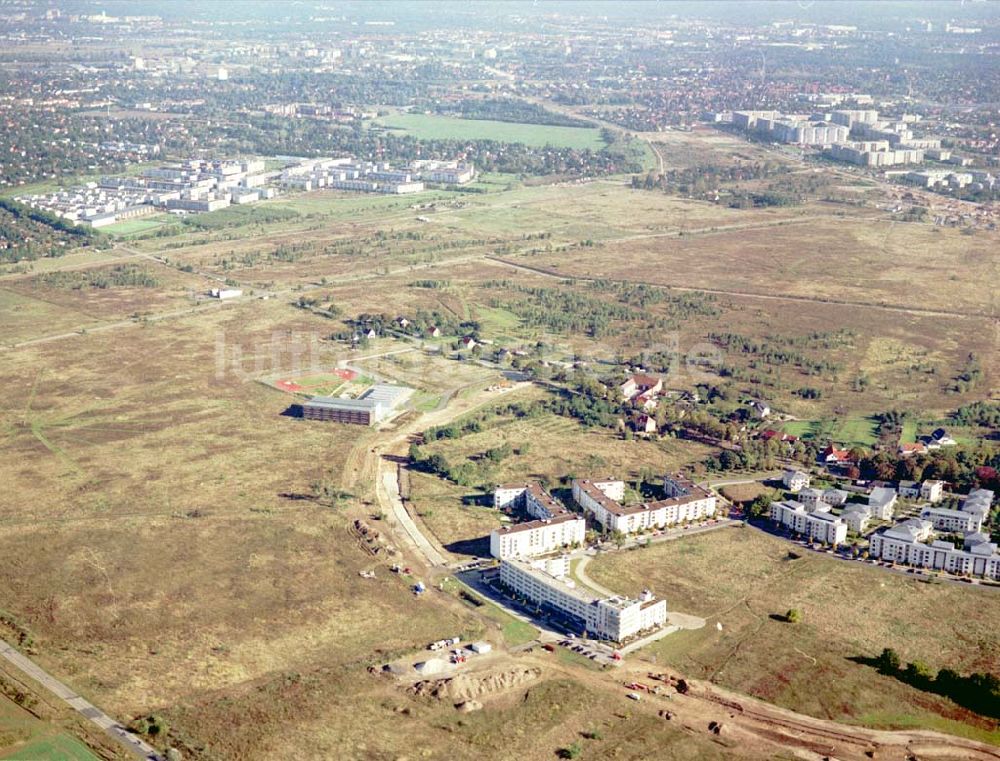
510,110
970,376
985,414
566,311
119,276
978,691
754,454
29,234
419,324
641,295
763,199
966,467
485,420
468,472
784,351
698,181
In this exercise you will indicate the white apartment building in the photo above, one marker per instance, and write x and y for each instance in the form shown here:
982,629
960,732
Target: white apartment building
795,480
613,618
932,491
835,497
956,521
821,524
904,543
538,537
979,501
811,498
882,501
530,496
874,153
929,491
692,503
856,517
849,117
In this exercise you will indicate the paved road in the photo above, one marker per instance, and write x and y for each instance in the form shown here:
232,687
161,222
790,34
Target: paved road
388,485
137,747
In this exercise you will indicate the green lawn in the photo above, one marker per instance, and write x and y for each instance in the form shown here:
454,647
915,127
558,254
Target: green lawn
42,741
54,748
515,632
539,135
909,433
860,431
137,226
496,320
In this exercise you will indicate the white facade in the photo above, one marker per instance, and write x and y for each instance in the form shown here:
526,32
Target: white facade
856,517
932,491
795,480
952,520
540,537
811,498
612,618
508,495
530,496
882,501
696,504
226,293
905,544
821,525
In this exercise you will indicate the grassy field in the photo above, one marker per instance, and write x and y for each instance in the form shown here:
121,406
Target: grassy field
743,579
25,736
452,128
131,227
860,431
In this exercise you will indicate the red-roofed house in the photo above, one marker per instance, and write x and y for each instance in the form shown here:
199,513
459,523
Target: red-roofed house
833,456
908,450
643,384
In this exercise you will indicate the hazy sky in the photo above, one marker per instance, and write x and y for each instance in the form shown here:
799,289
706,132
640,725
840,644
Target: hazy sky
421,13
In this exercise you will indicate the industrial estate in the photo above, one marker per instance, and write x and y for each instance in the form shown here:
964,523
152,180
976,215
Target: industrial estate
535,380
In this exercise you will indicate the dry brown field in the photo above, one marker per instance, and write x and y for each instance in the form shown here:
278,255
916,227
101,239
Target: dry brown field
162,545
743,579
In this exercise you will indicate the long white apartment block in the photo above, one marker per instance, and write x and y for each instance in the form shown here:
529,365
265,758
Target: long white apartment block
538,537
546,583
907,543
958,521
603,500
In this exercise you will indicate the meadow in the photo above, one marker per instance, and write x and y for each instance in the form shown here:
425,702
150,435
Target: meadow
431,126
745,581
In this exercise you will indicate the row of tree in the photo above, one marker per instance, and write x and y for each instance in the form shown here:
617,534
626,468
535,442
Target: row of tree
978,691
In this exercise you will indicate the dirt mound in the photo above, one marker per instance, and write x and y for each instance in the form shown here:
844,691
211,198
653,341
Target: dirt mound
468,687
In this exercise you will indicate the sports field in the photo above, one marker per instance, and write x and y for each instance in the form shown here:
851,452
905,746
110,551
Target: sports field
429,126
137,226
